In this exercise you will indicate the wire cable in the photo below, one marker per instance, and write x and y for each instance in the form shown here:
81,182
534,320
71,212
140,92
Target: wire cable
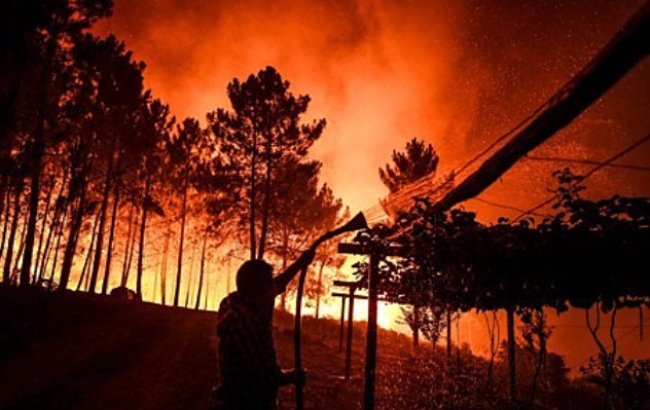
586,162
512,208
588,174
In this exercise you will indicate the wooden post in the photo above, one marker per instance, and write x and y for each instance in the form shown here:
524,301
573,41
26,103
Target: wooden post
510,314
352,288
371,335
344,297
348,350
342,326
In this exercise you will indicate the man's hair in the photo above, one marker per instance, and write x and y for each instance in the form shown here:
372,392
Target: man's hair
254,277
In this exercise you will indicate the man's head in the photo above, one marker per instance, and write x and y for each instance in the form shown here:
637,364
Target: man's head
255,279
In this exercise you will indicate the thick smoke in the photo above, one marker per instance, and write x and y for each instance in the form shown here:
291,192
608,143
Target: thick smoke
456,74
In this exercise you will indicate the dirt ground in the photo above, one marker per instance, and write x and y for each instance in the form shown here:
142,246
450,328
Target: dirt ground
79,351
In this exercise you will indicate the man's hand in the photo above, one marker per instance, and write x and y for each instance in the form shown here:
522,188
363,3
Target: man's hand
297,377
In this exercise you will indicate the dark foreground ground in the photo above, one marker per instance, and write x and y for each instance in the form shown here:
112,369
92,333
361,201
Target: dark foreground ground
76,351
81,351
88,352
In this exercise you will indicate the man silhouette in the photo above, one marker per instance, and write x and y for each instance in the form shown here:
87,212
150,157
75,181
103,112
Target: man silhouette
249,375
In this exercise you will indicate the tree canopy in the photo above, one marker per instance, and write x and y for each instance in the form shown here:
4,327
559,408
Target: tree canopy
419,159
261,133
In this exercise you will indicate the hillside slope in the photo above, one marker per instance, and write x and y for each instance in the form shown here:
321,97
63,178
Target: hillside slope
82,351
78,351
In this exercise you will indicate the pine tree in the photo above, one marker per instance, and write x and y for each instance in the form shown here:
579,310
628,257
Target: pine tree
417,161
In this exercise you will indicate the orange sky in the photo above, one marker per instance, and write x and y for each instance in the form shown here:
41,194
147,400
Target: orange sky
456,74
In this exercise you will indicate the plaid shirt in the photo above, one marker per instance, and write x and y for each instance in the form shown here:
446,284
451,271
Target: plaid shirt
249,375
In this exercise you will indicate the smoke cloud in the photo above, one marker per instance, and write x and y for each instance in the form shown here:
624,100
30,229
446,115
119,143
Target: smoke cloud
455,74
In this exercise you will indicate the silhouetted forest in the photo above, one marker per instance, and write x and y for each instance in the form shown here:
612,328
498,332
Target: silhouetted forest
102,187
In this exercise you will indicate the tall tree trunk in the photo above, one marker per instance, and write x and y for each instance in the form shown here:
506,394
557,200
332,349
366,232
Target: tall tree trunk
102,222
202,270
128,251
57,247
73,237
55,225
39,256
3,198
207,292
188,288
606,357
154,287
38,150
81,278
143,227
179,265
267,199
96,249
5,227
111,239
285,251
6,205
21,247
36,159
494,335
253,197
6,274
35,190
89,257
163,266
541,355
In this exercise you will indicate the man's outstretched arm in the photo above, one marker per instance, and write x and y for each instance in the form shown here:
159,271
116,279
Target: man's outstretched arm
282,280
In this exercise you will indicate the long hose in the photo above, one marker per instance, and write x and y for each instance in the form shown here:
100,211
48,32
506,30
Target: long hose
358,222
297,339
